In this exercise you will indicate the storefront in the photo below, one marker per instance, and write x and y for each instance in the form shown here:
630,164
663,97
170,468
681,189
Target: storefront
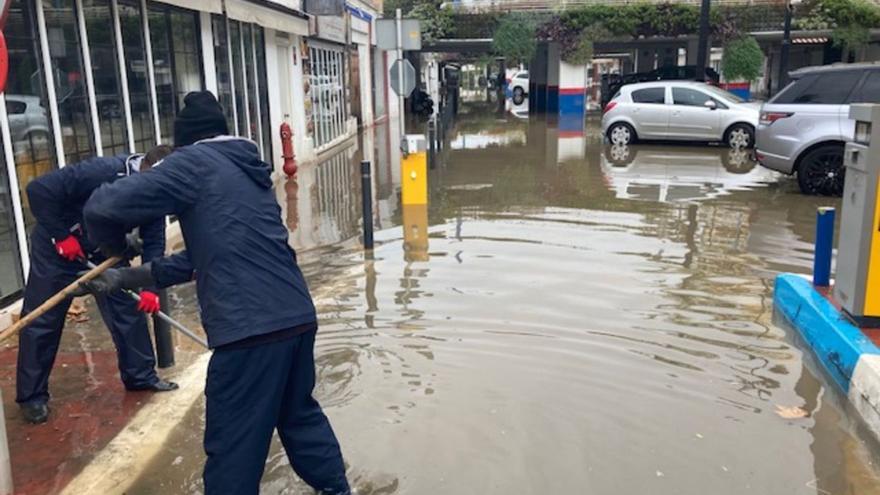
106,77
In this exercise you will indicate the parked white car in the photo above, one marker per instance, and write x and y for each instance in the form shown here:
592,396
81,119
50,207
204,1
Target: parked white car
679,111
519,86
803,128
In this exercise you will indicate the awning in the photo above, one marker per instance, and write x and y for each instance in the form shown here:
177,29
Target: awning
280,18
212,6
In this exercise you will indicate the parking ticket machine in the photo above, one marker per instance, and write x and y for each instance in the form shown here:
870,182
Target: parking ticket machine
857,285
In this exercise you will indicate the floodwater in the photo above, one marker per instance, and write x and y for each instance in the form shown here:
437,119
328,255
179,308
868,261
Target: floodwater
561,318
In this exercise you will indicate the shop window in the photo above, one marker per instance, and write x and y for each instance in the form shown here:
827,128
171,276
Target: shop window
263,84
105,74
11,276
224,75
176,60
251,83
65,50
251,93
132,22
238,74
32,140
330,111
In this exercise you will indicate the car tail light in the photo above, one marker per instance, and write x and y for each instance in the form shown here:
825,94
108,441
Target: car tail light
768,118
609,106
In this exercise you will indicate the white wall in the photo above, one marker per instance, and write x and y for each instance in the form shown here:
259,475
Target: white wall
365,71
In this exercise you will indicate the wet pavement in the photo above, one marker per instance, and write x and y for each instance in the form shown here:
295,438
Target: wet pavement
577,319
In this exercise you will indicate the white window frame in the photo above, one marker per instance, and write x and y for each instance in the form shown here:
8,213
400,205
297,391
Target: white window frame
123,75
90,82
50,84
151,73
15,195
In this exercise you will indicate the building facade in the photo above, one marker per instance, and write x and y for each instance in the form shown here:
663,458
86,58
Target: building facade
105,77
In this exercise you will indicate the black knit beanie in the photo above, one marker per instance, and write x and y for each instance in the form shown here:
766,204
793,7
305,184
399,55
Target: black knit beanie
201,118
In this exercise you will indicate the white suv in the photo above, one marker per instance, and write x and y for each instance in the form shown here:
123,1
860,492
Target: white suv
803,128
679,111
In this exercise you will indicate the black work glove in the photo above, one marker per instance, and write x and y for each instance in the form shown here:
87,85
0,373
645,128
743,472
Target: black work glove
132,247
114,279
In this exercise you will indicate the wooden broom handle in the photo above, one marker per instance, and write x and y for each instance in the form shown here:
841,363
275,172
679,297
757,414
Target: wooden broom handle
57,298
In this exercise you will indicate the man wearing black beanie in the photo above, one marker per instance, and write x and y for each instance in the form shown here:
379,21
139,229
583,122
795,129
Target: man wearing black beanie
201,118
255,305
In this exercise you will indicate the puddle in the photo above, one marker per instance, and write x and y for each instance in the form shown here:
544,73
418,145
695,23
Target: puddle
572,323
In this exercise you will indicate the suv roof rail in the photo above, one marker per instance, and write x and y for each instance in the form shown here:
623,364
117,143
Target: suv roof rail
838,66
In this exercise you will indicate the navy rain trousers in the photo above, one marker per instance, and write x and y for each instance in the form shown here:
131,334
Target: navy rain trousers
251,392
38,342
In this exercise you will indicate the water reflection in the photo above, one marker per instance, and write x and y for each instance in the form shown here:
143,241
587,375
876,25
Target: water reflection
675,173
544,310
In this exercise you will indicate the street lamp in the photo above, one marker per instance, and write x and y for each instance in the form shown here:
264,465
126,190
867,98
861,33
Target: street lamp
786,45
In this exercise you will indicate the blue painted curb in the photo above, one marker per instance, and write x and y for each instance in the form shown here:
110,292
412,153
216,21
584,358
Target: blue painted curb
834,340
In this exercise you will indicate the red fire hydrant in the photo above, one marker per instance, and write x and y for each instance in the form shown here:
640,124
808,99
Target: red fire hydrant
287,150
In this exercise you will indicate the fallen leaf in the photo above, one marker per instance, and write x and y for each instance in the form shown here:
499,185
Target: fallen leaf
76,309
792,412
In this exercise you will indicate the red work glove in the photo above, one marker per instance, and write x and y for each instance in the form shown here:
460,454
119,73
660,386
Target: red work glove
69,248
149,302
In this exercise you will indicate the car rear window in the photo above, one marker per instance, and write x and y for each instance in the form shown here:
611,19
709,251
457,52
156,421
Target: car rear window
832,88
870,90
649,95
15,107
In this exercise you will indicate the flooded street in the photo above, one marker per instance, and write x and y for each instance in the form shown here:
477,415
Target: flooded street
564,317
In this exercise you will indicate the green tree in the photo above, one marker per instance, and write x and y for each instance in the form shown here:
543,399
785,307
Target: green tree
437,20
515,39
742,59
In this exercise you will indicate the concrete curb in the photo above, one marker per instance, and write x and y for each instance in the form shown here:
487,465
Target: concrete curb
848,356
118,464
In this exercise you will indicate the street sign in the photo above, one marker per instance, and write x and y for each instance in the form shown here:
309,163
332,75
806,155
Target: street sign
410,33
409,77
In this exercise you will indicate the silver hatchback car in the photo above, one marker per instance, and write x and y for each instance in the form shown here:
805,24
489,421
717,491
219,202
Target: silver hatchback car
679,111
803,129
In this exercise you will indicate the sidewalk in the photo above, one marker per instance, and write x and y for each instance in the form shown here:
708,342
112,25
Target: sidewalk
89,405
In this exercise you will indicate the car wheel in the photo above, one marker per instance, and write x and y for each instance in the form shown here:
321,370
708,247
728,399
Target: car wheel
821,171
737,161
518,95
621,133
740,136
37,138
620,155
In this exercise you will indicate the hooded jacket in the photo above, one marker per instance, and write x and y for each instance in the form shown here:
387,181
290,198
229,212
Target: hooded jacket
57,200
248,281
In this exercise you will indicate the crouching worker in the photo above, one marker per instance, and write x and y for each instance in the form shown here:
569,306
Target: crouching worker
59,248
255,305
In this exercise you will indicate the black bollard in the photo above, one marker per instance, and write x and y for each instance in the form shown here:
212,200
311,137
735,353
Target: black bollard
162,332
432,142
367,195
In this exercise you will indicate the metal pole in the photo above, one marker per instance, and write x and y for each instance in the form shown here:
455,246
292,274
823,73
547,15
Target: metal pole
432,142
6,487
367,196
824,244
703,47
162,332
164,317
782,79
400,100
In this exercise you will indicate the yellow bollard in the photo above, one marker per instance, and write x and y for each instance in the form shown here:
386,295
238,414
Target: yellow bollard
415,232
414,178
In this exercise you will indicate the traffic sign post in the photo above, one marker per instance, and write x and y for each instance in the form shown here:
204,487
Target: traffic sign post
408,79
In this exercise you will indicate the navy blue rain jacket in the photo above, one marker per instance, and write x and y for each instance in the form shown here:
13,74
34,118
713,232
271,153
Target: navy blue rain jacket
57,200
247,278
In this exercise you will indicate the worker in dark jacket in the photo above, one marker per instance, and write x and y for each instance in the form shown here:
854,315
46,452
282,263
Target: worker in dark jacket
255,305
59,247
